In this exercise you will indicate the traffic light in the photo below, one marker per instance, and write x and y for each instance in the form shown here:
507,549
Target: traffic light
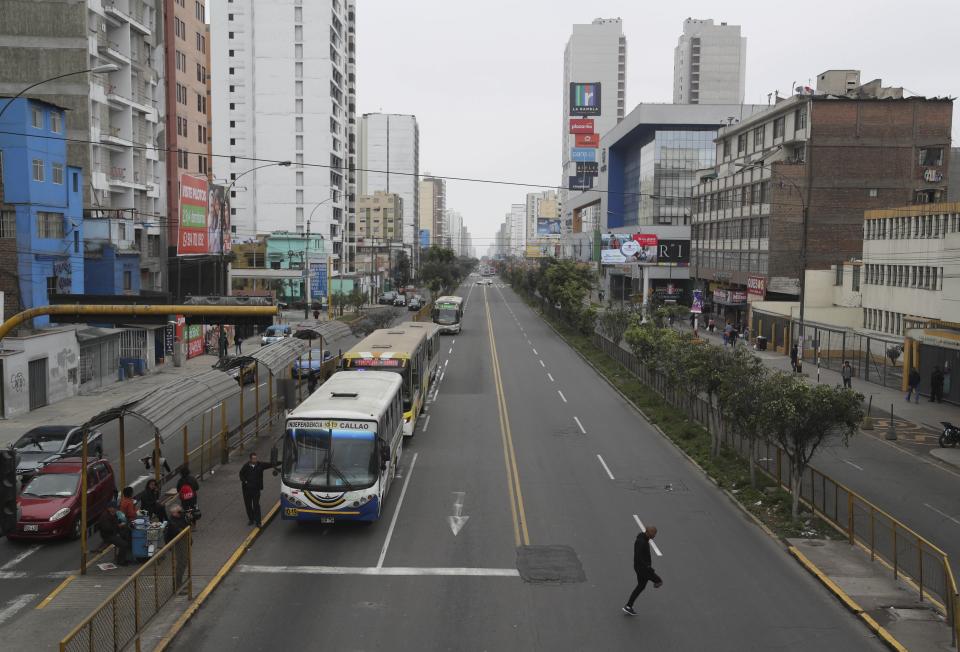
8,491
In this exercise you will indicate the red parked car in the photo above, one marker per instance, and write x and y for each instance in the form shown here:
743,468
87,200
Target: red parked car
49,506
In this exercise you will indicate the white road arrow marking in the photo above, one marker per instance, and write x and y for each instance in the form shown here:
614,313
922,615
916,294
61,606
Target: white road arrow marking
457,521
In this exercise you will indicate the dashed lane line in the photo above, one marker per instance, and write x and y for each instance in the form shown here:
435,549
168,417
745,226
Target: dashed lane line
605,467
564,398
580,425
644,529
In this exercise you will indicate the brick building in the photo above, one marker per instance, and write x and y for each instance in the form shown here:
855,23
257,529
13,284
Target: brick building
837,152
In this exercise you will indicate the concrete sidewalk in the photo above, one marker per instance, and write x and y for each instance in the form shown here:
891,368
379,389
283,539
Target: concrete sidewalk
870,591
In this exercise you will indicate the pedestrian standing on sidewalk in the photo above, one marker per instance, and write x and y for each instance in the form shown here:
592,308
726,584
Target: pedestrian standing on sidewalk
150,500
913,385
224,342
251,482
794,356
600,294
187,488
643,567
846,372
238,342
936,385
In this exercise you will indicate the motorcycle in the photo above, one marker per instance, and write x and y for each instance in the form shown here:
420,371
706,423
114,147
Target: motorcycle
950,435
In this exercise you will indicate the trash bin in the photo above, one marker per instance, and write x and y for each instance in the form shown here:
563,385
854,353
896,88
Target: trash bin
138,537
761,343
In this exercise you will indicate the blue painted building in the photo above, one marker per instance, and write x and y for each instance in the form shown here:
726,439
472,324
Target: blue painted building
111,256
41,208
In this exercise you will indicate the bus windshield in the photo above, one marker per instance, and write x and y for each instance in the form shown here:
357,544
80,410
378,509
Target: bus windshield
447,314
321,459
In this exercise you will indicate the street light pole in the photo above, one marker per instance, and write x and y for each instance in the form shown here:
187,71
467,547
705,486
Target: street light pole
107,67
306,269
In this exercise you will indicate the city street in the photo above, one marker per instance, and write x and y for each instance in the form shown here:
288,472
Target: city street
550,485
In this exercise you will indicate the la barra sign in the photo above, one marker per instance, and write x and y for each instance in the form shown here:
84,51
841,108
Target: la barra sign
581,126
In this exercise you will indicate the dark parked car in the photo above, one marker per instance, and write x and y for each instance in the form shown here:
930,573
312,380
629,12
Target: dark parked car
310,363
387,298
45,444
49,505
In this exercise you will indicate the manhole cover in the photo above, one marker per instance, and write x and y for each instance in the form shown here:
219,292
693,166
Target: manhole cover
549,565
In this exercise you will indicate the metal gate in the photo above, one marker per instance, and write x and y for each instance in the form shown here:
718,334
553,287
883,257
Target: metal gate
37,372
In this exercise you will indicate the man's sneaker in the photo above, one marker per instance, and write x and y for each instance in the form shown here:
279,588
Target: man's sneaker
627,609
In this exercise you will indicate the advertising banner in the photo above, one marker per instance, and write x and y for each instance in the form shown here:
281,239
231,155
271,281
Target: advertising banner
194,236
588,169
583,154
628,248
673,253
548,226
218,222
194,340
697,305
584,98
581,126
318,280
542,250
756,287
587,140
63,272
580,182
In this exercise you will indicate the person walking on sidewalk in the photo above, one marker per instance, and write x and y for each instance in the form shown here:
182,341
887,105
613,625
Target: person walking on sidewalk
187,488
794,356
223,342
251,482
846,372
238,342
913,385
643,567
936,385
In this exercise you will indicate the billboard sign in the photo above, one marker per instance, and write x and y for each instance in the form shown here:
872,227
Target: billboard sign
628,248
587,140
591,169
548,226
756,287
318,280
194,237
673,253
218,222
581,126
583,154
194,340
584,98
542,250
697,305
579,182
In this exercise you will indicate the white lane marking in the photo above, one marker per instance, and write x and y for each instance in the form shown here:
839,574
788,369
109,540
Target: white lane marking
450,352
426,424
453,341
379,570
541,364
550,377
19,558
580,425
396,512
644,529
856,466
446,362
149,442
941,513
457,520
17,575
605,467
262,385
562,396
535,352
140,479
15,605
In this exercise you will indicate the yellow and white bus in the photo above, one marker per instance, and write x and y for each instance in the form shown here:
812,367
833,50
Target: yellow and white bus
341,449
432,333
403,351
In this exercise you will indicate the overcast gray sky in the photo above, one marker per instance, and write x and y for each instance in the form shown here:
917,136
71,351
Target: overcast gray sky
484,78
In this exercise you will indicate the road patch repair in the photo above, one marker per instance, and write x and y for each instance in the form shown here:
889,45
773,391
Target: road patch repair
554,564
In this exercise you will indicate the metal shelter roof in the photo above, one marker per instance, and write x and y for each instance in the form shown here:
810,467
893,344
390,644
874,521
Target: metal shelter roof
190,396
281,354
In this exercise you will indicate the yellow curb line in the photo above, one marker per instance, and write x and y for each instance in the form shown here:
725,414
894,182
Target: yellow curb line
880,631
214,582
60,587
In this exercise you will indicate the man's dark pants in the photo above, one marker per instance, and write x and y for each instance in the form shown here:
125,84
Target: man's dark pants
251,501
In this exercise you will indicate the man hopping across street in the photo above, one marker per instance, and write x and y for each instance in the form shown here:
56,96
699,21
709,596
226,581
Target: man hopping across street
643,566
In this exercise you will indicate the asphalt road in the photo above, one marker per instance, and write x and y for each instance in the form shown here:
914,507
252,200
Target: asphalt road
30,571
566,463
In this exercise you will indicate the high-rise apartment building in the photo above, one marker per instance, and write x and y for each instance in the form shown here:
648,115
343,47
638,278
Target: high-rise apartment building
709,64
390,162
453,227
115,119
379,218
283,84
433,203
594,100
542,214
517,218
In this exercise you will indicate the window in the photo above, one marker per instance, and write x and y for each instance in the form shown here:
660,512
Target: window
298,88
180,28
726,148
872,192
298,51
758,138
128,280
36,118
300,143
839,275
201,43
201,73
741,143
56,122
800,118
230,35
778,127
153,245
202,164
298,70
49,225
8,224
38,169
298,122
57,173
201,12
298,33
76,182
928,155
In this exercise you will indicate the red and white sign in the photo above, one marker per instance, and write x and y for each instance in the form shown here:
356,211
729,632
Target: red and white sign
756,287
581,125
193,216
587,140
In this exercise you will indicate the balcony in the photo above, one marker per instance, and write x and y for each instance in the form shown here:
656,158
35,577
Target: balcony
112,11
111,49
113,136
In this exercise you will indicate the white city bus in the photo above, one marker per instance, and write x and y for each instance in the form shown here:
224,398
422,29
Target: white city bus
341,448
447,313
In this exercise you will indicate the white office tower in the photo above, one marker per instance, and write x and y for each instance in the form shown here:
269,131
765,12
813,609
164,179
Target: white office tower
453,227
593,99
390,162
280,93
709,64
518,229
